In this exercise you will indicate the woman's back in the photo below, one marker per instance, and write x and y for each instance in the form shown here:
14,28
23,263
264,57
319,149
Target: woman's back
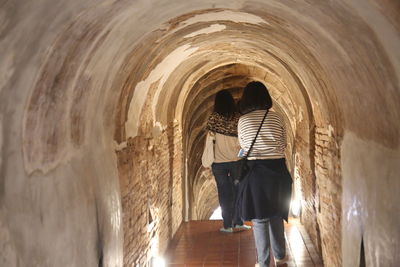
226,148
226,141
270,142
222,124
264,194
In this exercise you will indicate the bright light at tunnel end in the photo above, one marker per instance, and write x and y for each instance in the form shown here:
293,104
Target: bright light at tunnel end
217,214
295,207
158,262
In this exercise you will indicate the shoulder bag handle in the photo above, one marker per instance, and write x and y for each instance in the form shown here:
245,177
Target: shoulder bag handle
259,128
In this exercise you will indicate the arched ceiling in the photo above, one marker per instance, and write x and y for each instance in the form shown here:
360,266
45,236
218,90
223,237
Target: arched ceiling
206,41
299,48
170,73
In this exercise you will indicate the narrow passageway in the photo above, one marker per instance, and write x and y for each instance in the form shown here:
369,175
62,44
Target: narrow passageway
201,244
103,108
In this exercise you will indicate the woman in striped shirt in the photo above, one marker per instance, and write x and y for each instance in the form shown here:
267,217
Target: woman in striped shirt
265,193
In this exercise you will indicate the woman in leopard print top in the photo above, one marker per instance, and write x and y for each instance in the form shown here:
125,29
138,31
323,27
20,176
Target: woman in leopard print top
223,123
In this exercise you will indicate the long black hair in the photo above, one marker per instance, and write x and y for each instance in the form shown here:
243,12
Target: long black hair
255,97
224,104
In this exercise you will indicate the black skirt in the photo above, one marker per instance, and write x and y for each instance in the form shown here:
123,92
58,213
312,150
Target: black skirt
266,191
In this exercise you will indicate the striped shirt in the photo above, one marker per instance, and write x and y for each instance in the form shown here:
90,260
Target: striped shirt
270,142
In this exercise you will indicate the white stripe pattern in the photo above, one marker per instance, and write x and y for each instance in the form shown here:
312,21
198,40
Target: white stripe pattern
271,141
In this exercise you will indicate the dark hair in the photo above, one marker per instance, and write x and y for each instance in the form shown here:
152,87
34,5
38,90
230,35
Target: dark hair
224,104
255,97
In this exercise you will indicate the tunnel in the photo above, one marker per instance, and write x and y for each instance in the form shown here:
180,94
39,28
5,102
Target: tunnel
104,106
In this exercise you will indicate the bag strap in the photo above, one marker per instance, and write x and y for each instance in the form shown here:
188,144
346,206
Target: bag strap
254,140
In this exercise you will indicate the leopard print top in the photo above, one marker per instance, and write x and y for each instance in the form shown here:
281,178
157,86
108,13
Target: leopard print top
222,125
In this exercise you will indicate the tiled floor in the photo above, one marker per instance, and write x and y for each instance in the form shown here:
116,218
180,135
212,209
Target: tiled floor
200,243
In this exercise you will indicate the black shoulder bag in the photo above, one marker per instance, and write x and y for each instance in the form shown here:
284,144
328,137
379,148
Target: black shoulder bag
242,167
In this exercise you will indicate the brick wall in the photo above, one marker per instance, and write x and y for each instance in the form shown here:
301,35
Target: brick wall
329,192
151,188
317,171
305,177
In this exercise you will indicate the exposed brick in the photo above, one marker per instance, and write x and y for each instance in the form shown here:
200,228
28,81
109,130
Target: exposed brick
328,175
148,182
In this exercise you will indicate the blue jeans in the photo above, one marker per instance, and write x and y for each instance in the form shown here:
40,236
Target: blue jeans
224,174
264,230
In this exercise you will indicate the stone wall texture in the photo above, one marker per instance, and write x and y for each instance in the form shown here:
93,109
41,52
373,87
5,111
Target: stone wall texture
152,200
329,184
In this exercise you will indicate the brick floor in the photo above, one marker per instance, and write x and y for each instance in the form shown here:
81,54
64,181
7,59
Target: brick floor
200,243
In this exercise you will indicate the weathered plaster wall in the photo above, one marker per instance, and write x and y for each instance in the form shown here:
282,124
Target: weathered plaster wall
66,214
102,108
370,206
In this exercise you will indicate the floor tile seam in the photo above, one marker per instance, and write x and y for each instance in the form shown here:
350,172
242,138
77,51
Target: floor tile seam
291,251
310,247
307,247
302,239
177,238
